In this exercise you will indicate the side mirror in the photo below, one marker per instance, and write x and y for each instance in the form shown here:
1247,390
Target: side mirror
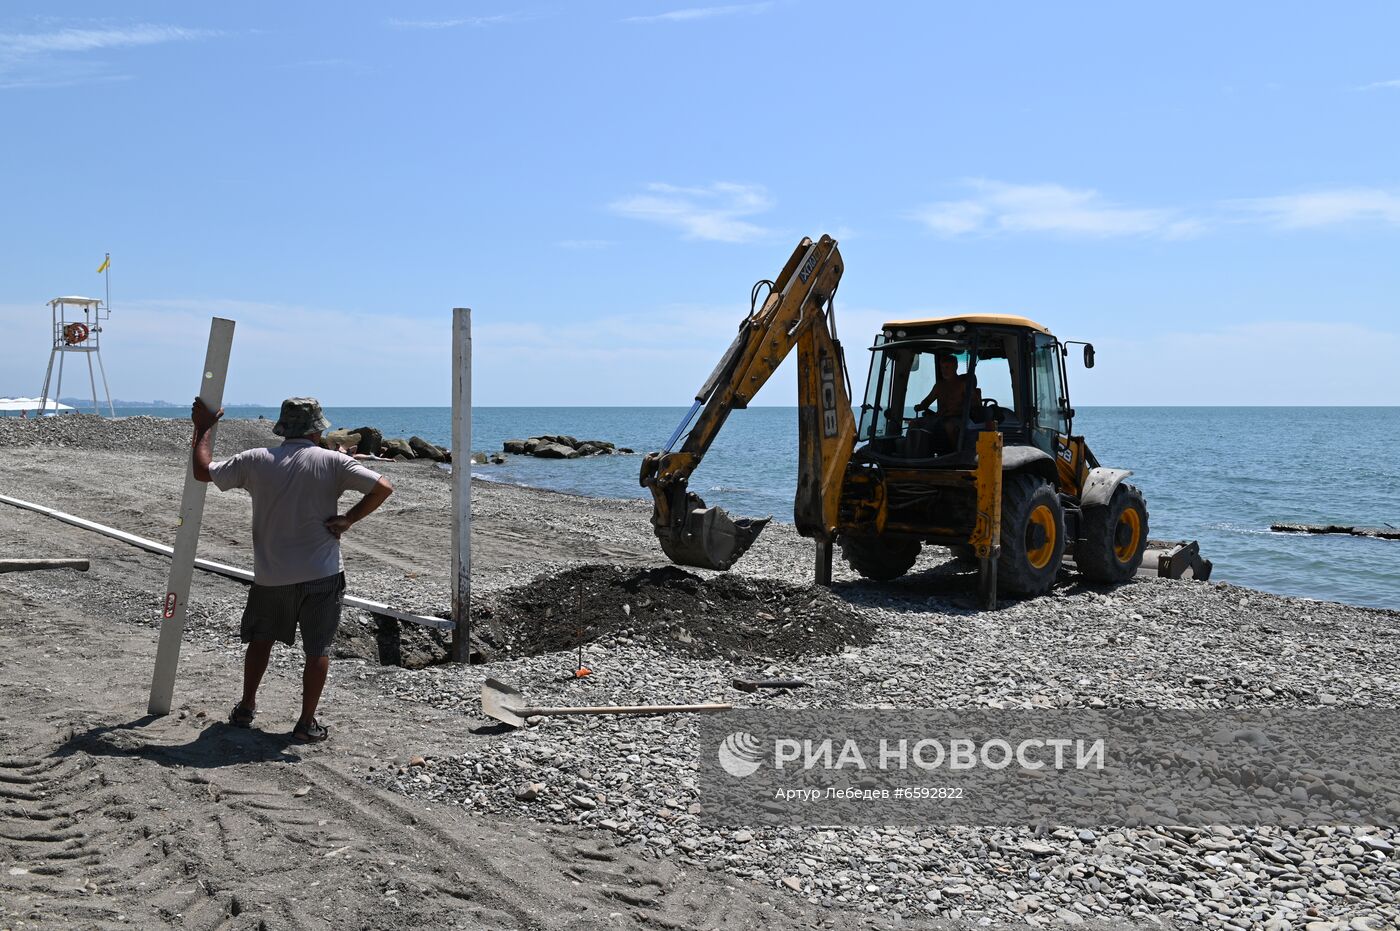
1088,355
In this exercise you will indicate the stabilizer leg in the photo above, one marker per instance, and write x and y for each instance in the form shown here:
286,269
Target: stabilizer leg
987,583
823,567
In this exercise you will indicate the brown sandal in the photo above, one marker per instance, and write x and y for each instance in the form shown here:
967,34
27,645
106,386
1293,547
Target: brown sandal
241,716
309,732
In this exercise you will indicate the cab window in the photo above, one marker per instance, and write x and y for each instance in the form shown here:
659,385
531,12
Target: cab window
1048,393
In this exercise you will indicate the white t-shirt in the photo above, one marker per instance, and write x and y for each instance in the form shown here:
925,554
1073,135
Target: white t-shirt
295,489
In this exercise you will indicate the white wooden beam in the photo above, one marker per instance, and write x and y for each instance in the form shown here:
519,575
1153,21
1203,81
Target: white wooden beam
177,590
461,484
29,565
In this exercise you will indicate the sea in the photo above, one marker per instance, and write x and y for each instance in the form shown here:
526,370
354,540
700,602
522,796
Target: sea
1218,475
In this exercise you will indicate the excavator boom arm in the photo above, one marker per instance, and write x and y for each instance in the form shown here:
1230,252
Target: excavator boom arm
795,314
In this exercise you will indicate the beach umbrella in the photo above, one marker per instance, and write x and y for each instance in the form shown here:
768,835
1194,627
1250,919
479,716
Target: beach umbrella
31,404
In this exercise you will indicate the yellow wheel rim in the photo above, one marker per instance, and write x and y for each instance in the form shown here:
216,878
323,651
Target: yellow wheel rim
1041,517
1132,521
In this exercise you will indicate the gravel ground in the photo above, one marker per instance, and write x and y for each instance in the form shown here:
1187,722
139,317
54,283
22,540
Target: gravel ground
132,434
1148,644
922,643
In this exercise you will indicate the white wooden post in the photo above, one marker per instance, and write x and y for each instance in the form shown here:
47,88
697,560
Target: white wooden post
177,593
462,484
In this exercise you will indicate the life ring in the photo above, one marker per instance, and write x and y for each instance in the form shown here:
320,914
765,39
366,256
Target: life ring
75,333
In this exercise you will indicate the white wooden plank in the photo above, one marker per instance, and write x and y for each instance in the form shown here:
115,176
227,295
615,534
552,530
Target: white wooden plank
461,483
29,565
177,589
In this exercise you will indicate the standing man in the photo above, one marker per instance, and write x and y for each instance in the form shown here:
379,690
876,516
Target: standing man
298,575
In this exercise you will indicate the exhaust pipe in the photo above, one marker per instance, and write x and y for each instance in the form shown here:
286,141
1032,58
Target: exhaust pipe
707,537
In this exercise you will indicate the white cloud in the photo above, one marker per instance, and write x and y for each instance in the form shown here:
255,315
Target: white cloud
86,40
68,77
152,348
1265,363
36,59
320,63
453,23
713,213
704,12
1326,208
998,207
1380,85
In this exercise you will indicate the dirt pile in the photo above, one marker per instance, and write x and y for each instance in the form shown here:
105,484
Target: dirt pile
725,616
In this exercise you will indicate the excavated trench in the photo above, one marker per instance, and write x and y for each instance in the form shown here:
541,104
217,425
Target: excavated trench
391,642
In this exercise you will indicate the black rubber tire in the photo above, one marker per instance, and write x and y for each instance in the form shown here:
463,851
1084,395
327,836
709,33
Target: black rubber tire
880,558
1021,496
1095,552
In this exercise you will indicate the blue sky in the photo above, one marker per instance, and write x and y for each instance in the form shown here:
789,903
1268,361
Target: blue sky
1210,193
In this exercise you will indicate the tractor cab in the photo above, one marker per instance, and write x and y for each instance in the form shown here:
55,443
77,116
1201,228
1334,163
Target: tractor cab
935,384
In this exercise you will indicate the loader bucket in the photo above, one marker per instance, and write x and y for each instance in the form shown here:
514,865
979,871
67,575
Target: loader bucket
709,538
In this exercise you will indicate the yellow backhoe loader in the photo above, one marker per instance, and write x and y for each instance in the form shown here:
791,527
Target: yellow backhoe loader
965,440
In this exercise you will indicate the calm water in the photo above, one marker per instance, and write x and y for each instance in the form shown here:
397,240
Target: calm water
1218,475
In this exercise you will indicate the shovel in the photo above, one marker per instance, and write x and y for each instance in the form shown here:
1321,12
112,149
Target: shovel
506,704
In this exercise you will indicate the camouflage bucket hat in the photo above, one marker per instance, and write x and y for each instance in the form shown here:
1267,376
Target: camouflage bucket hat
299,417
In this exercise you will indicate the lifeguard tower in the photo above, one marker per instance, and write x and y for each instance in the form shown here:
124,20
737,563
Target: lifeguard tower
77,327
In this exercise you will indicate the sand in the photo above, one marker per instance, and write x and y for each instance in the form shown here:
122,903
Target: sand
110,818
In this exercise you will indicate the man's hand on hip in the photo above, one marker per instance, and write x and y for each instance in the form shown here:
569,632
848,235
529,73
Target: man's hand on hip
362,509
338,525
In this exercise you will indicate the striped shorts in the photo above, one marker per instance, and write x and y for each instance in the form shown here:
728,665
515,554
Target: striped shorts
274,612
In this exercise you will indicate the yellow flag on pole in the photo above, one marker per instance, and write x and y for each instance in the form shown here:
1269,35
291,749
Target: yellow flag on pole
103,267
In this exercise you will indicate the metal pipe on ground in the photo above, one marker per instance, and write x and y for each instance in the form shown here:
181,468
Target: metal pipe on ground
232,572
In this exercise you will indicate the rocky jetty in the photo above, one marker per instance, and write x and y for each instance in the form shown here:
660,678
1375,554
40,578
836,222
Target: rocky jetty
562,446
1380,533
369,441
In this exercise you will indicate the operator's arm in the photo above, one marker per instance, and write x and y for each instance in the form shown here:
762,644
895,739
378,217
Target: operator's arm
365,507
204,420
935,393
